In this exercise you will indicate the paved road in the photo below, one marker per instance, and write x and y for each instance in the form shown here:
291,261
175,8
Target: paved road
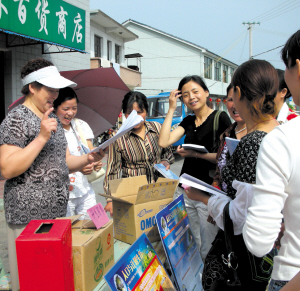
98,188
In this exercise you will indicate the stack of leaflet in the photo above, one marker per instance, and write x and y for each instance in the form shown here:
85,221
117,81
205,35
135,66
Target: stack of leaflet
196,183
132,121
231,144
195,147
139,269
180,246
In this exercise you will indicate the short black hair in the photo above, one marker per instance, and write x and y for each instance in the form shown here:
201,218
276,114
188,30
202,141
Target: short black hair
65,94
282,84
134,96
291,50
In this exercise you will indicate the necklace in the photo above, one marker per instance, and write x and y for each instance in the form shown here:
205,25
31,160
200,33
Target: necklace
259,123
236,132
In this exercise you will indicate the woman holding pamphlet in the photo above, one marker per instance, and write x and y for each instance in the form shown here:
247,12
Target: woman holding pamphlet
136,152
199,130
235,131
79,137
255,85
34,157
276,192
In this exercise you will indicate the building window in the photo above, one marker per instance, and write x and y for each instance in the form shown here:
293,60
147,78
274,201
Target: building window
108,50
218,71
225,74
117,54
97,46
207,68
231,71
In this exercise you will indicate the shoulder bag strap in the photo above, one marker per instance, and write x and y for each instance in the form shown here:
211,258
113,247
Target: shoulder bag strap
216,128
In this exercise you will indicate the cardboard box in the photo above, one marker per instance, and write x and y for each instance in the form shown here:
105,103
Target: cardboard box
135,204
93,253
44,253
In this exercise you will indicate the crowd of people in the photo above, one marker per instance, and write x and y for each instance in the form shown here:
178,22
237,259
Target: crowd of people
45,157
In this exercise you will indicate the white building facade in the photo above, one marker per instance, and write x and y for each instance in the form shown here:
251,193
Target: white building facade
167,59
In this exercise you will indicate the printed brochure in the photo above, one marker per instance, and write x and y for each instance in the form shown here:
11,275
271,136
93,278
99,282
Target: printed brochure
166,173
139,269
195,147
180,246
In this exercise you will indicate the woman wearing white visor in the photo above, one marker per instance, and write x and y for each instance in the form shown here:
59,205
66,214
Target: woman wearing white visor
34,157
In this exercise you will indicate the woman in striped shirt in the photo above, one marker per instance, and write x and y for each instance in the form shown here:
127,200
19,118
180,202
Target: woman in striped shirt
136,152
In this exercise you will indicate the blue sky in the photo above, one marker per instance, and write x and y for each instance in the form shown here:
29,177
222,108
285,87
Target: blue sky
215,24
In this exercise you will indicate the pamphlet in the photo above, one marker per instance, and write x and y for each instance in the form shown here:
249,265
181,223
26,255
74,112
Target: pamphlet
139,269
196,183
98,215
166,173
180,246
231,144
132,120
195,147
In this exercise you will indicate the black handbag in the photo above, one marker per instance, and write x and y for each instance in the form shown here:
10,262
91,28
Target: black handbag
230,266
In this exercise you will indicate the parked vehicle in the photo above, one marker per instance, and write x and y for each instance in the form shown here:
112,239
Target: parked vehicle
158,109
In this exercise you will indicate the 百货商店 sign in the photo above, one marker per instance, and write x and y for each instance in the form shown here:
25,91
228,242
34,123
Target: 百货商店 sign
53,21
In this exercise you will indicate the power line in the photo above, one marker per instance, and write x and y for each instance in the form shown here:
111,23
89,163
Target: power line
268,51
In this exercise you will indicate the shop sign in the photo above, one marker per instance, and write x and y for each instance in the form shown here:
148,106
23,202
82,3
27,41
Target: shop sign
53,21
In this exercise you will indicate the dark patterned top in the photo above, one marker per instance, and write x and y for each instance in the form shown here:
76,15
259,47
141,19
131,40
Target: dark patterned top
241,165
42,191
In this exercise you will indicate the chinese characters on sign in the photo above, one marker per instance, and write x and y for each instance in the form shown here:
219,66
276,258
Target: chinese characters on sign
55,21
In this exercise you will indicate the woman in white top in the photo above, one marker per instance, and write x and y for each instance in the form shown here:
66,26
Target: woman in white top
82,195
276,193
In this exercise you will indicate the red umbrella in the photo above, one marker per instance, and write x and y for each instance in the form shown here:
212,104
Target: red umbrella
100,92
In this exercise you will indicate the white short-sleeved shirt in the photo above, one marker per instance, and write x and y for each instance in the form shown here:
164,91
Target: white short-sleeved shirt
79,184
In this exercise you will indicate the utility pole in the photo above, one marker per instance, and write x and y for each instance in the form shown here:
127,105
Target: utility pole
250,36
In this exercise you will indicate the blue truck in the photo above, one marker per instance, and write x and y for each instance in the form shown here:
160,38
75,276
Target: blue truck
158,109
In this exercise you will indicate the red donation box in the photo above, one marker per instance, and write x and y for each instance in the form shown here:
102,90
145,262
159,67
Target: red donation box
44,253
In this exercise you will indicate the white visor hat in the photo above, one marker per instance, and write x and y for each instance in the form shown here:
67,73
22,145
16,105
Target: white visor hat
48,76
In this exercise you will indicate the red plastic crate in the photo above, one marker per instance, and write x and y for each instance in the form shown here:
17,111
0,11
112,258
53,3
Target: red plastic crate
44,254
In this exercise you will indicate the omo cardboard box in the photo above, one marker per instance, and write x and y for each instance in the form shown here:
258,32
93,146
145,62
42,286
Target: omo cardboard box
135,204
93,253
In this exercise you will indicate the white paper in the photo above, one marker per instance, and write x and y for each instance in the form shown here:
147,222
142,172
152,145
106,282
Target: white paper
231,144
196,183
132,120
195,147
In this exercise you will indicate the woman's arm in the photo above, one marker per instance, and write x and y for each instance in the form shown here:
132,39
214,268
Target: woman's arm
293,285
166,136
76,163
14,160
274,168
211,157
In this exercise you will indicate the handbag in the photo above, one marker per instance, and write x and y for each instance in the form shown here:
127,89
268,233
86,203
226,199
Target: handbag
95,175
230,266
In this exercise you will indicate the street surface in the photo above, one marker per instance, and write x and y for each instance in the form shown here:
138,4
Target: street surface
98,188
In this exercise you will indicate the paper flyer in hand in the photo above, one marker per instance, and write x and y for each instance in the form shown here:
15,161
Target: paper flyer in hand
166,173
133,120
195,147
180,246
196,183
139,269
231,144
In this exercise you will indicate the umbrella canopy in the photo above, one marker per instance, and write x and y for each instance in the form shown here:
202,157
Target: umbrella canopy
100,92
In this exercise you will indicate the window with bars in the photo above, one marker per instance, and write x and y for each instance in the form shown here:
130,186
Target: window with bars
117,54
97,45
207,68
225,74
217,71
231,71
